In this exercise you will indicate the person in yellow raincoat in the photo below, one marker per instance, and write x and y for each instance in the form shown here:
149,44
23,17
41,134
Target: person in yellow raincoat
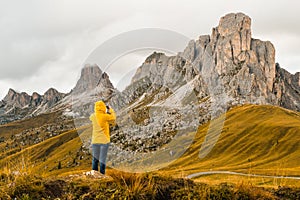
102,118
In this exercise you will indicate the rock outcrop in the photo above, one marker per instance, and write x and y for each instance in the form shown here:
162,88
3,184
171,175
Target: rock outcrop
287,89
229,61
245,66
17,99
89,79
36,99
51,97
93,85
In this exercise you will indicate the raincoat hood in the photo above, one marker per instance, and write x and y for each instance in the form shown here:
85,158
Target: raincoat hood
100,107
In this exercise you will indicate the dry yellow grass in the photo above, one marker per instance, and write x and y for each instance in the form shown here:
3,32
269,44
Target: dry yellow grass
16,127
254,139
43,158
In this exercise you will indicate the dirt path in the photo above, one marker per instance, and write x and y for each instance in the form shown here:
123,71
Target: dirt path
240,174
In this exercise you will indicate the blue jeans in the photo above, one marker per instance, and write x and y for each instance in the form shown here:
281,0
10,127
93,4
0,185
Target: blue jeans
99,154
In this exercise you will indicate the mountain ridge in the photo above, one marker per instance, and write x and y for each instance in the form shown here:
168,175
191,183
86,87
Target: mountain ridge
228,62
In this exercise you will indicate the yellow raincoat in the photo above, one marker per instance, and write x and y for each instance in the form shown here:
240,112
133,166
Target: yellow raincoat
101,121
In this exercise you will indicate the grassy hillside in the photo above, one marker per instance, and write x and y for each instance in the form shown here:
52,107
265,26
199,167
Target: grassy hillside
7,130
255,139
40,143
44,158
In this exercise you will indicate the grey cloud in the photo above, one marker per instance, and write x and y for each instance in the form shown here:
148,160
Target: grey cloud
22,59
133,41
35,33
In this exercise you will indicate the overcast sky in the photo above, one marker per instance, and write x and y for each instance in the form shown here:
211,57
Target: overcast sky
45,43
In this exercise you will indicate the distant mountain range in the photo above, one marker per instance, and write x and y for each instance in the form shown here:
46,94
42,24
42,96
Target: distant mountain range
16,105
228,65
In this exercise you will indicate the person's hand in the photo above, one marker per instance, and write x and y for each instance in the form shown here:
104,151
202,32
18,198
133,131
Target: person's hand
107,110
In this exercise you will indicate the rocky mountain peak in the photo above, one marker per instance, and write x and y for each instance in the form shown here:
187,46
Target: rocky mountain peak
89,78
24,98
93,85
154,57
234,52
52,96
233,36
11,91
35,95
105,81
17,99
50,92
10,95
36,99
231,39
233,23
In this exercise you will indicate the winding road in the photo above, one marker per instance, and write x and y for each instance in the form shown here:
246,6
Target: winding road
239,174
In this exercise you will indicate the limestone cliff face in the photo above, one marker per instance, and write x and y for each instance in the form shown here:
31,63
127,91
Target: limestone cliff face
245,66
93,85
89,78
287,89
51,97
17,99
92,80
231,60
36,99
